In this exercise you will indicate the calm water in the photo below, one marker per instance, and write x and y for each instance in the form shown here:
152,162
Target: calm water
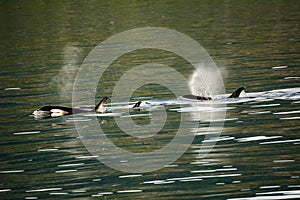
255,44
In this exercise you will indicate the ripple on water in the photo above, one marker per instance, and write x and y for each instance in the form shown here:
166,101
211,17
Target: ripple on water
5,190
129,191
287,112
265,105
58,193
280,67
27,133
43,190
71,165
12,171
280,141
285,192
269,187
214,170
204,177
289,118
31,198
257,138
66,171
131,176
101,194
12,88
47,150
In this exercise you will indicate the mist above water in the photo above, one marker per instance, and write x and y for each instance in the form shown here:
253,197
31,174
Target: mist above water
205,81
66,76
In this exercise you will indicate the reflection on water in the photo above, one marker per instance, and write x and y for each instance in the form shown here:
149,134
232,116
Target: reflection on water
255,44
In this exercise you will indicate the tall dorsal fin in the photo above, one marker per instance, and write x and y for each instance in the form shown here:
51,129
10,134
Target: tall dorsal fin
237,92
137,104
100,106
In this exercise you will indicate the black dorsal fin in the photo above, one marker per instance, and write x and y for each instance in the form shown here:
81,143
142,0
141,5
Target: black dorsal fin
137,104
237,92
100,106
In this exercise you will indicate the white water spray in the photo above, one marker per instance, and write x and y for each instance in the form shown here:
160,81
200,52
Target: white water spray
66,76
204,82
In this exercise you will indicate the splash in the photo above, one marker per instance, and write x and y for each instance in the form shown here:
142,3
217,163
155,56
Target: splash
205,82
66,76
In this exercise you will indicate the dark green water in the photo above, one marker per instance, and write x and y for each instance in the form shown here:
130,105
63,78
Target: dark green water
254,43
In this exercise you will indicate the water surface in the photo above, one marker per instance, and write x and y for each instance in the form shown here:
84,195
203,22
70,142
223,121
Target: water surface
254,43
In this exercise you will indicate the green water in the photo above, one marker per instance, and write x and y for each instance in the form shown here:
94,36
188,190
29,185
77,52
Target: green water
44,42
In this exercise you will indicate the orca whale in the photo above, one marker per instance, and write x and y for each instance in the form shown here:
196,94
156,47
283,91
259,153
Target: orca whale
57,111
235,94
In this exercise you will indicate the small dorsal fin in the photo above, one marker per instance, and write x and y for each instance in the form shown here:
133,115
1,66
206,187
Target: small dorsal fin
137,104
237,92
100,107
